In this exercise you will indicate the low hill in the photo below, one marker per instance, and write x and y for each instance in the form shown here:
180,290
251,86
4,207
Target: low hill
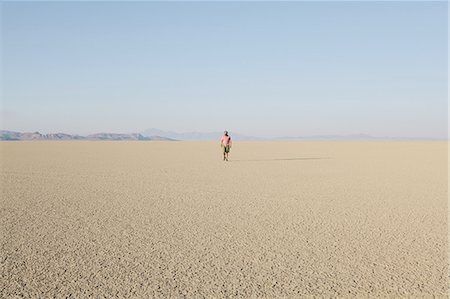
12,135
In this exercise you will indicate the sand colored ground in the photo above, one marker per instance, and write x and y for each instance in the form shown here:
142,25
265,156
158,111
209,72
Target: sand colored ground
171,219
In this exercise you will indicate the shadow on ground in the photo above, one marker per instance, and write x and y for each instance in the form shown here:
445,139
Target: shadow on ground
279,159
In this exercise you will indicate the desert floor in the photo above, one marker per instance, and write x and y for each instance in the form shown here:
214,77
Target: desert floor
171,219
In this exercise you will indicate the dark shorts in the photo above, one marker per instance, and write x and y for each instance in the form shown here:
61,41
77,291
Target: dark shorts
226,148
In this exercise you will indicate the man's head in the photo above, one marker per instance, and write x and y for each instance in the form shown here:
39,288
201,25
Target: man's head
225,132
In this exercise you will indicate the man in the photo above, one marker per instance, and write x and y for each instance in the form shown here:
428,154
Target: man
225,143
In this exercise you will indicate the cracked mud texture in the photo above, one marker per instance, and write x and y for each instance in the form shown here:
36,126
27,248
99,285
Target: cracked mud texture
172,220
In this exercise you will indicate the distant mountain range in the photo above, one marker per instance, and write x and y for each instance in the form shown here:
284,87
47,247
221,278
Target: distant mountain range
160,135
241,137
196,135
11,135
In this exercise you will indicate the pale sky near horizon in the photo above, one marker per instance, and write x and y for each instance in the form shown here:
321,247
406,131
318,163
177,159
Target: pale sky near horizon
257,68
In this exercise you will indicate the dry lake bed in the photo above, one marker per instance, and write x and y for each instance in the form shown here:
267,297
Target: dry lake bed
172,220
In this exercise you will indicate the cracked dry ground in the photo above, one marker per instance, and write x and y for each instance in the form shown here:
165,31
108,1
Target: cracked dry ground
171,220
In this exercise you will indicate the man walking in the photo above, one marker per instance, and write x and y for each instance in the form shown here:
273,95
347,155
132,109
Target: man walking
225,143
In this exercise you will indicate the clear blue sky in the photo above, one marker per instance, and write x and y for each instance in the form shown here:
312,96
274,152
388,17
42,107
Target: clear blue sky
259,68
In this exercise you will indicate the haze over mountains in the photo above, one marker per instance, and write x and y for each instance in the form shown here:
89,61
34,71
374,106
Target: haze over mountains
242,137
197,135
11,135
160,135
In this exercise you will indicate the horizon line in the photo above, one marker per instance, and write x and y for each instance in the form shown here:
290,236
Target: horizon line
360,136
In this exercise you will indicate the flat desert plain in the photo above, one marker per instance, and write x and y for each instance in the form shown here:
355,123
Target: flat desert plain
171,220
